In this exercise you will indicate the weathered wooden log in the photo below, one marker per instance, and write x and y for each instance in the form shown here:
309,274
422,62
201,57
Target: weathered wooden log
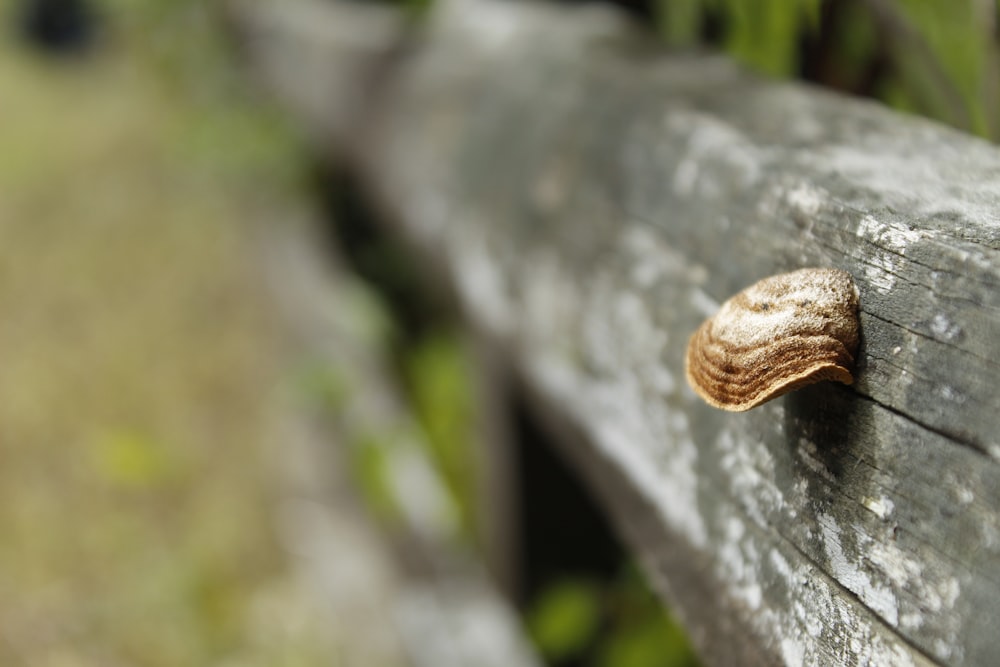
594,198
410,594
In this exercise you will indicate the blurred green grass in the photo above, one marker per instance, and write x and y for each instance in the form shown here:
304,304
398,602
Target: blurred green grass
137,364
936,58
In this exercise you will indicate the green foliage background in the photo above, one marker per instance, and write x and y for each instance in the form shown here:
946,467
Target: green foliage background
937,58
612,623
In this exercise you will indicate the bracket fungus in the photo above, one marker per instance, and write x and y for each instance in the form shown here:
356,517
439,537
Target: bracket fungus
779,334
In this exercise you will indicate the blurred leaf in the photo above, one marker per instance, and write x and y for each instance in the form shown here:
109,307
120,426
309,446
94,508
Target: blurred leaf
941,56
130,459
564,619
812,12
323,384
764,34
370,470
654,642
857,36
641,631
437,374
899,96
417,8
367,314
679,21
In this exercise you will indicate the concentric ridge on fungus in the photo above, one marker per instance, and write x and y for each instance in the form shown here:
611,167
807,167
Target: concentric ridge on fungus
777,335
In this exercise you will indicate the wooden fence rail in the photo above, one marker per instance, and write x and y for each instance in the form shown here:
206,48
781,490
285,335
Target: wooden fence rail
593,198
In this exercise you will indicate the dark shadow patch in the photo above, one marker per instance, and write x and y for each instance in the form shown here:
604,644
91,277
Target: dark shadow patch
831,417
357,233
59,27
564,530
827,416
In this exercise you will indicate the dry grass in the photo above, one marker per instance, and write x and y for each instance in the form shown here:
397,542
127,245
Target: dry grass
137,365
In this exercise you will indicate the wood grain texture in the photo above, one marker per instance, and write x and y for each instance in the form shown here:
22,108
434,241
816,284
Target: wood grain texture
594,199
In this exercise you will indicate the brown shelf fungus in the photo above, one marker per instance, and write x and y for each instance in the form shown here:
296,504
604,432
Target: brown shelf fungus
777,335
